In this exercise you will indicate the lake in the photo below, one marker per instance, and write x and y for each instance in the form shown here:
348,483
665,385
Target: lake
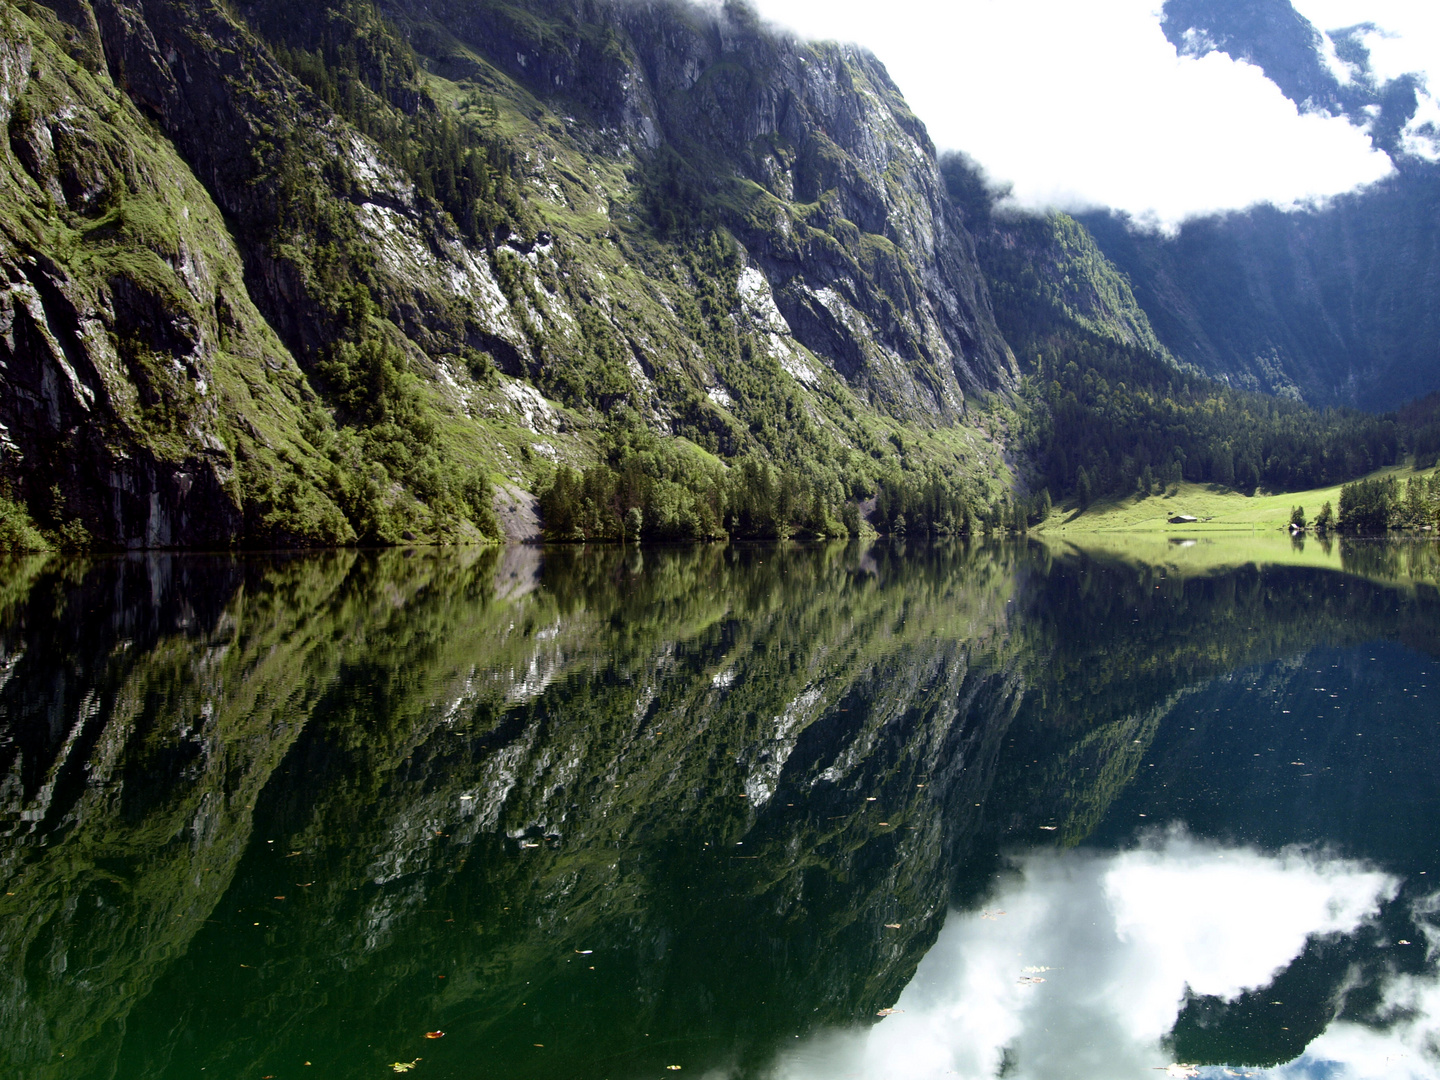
785,812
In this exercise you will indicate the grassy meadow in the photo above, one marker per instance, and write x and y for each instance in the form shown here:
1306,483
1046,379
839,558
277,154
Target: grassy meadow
1233,530
1219,510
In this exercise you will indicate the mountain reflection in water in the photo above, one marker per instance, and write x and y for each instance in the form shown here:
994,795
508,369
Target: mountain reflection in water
596,813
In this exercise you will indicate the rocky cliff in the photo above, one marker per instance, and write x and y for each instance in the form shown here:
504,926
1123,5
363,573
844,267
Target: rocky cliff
311,273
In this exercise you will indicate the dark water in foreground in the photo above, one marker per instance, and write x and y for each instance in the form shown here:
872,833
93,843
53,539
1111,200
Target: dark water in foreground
603,814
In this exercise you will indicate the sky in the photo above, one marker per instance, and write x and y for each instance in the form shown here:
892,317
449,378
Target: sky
1080,963
1085,104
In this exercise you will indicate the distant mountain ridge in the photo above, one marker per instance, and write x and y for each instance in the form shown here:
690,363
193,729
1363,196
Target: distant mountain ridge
1332,306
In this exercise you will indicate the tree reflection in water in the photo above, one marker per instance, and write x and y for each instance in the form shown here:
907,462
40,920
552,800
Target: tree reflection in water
639,806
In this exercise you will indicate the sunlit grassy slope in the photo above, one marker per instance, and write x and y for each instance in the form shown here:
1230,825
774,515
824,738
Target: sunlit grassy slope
1234,530
1219,510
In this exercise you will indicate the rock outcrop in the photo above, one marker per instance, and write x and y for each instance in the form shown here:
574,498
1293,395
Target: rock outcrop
238,311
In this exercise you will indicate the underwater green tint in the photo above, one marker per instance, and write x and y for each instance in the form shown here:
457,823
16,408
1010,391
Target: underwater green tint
598,813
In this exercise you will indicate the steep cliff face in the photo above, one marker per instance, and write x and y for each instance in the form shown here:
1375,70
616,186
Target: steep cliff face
1332,305
1047,276
135,364
313,274
806,151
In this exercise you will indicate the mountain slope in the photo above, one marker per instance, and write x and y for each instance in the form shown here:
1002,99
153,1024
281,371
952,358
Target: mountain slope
1105,408
450,244
1332,305
142,388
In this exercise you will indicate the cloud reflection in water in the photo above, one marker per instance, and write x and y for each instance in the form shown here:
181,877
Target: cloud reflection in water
1079,965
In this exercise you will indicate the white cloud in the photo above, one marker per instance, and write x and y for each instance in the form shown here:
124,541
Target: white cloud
1116,938
1355,1052
1422,135
1405,41
1410,37
1088,104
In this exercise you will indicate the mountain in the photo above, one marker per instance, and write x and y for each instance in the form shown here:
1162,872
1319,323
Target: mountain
1325,72
349,271
1107,409
1331,304
312,273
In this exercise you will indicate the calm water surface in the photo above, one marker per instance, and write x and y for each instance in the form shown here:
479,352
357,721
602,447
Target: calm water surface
791,813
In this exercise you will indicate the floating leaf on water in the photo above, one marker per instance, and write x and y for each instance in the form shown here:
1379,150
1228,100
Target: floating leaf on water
279,898
434,1034
889,1012
404,1066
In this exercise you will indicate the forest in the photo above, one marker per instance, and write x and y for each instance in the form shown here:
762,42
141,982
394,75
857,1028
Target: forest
1104,419
1378,505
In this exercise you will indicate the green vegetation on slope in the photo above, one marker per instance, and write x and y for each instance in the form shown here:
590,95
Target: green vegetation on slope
1398,497
631,317
324,315
128,321
1109,412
